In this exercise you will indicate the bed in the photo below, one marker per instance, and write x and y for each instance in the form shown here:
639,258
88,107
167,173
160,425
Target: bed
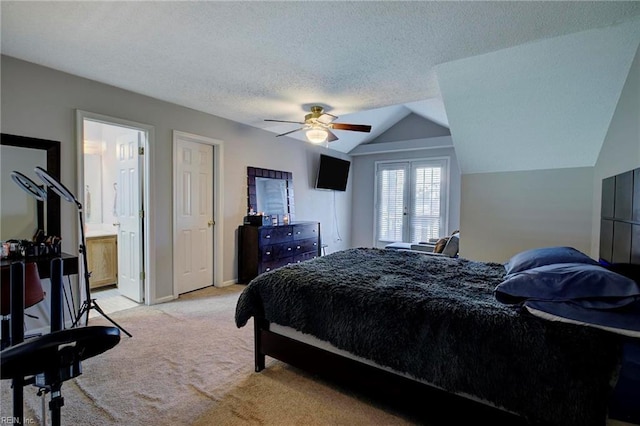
400,321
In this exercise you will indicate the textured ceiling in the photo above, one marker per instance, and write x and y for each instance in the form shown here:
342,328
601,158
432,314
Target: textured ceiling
367,62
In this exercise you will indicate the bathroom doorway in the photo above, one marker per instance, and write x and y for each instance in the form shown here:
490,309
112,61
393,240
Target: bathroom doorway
112,175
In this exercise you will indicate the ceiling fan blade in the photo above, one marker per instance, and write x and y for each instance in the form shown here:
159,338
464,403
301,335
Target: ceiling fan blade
331,136
282,134
353,127
285,121
327,118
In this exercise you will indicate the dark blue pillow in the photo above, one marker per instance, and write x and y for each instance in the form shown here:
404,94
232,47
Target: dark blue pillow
546,256
591,285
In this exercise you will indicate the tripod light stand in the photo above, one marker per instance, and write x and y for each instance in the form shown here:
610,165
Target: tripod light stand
88,303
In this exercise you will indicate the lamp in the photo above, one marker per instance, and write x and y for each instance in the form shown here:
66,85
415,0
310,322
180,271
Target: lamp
88,303
317,134
29,186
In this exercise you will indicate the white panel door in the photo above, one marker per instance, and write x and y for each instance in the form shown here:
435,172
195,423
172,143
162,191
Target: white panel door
129,214
194,175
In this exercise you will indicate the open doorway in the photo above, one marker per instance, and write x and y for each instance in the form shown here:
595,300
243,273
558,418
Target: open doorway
112,178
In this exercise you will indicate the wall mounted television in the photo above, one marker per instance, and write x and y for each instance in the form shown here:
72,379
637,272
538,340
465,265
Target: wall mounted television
332,173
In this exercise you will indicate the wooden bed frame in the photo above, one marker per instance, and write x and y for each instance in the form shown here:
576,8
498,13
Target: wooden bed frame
416,399
619,248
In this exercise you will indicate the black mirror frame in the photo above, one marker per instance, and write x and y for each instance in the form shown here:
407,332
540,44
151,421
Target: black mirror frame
254,172
52,149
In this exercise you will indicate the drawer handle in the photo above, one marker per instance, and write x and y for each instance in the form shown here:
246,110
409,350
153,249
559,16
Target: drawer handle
298,247
289,234
288,248
267,236
298,232
268,253
315,244
268,269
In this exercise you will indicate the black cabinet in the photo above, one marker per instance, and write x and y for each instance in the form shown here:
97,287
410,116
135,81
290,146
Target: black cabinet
264,248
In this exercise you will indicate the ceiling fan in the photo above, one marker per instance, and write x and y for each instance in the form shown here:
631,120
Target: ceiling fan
318,125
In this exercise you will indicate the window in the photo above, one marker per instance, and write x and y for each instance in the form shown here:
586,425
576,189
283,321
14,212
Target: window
411,200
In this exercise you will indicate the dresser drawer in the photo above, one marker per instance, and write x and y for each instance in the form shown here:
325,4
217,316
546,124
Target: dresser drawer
276,234
270,266
304,231
276,251
305,256
304,246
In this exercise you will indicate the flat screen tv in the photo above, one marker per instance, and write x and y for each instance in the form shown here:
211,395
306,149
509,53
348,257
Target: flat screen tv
332,173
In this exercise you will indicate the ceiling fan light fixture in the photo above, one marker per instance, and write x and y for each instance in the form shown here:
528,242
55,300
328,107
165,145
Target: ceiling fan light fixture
317,135
318,126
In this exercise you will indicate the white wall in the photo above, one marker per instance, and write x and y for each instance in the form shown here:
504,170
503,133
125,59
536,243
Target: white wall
41,102
504,213
621,149
364,180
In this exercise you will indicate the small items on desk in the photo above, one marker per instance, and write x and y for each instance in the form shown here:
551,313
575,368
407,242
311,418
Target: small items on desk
257,220
42,246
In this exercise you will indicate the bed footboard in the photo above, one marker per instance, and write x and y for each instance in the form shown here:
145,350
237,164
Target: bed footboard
386,388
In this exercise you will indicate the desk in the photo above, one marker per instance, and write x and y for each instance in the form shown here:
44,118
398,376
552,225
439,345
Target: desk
69,264
14,288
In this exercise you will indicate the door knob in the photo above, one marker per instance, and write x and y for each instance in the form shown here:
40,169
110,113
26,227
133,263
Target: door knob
211,223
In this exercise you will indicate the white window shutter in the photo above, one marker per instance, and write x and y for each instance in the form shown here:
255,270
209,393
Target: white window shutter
391,202
411,201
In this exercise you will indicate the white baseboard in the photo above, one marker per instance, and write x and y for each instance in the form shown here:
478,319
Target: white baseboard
228,283
164,299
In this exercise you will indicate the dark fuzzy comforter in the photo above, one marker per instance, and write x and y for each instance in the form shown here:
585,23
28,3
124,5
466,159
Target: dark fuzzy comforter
436,319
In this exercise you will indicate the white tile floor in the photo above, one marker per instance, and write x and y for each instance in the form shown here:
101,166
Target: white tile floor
110,301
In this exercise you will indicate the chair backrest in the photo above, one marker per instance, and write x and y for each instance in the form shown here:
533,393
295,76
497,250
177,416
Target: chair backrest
33,291
452,247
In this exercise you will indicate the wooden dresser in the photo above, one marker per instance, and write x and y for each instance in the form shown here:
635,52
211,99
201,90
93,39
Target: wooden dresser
264,248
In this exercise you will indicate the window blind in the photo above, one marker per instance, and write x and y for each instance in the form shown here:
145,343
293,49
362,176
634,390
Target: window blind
391,202
425,220
411,200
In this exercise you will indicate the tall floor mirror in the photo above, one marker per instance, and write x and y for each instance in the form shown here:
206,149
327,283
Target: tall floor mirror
19,210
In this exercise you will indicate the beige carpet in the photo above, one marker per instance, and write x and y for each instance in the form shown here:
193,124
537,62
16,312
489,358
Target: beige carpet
188,364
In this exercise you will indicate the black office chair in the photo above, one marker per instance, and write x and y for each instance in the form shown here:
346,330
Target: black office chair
49,360
52,359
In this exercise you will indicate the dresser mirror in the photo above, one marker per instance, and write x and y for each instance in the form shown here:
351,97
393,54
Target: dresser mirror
21,214
270,192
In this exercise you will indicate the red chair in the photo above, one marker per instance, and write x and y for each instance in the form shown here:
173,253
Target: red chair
33,294
33,291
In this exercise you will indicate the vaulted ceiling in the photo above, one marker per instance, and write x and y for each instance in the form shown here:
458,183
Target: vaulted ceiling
520,85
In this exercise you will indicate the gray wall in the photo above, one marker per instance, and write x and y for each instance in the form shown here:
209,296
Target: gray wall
364,180
412,126
41,102
621,149
504,213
